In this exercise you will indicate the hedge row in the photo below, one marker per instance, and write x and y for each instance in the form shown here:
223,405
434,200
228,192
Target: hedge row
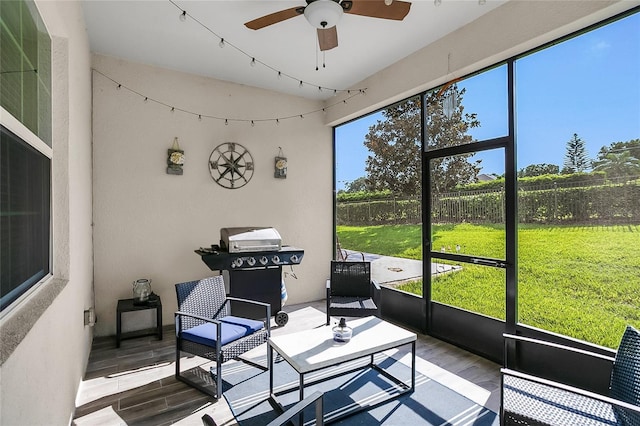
601,204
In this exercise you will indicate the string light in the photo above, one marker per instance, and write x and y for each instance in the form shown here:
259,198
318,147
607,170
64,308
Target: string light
223,42
300,85
200,116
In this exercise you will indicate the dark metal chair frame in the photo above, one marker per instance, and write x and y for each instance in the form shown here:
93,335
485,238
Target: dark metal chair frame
205,301
560,401
351,292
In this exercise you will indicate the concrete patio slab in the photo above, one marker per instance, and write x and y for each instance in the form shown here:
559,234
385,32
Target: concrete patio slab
392,270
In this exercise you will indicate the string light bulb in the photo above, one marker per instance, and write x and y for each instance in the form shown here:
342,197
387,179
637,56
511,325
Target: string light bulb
300,85
146,99
388,2
223,43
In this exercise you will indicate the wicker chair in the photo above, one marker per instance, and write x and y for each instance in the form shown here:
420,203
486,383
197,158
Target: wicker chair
531,400
351,292
206,328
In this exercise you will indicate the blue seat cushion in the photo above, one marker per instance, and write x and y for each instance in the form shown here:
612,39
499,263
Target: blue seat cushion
231,328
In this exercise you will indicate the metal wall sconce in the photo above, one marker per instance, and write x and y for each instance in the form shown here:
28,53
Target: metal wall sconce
175,159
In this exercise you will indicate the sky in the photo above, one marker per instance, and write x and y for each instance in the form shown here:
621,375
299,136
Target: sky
588,85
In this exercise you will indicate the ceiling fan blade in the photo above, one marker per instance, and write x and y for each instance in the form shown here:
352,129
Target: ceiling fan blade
397,10
272,18
328,38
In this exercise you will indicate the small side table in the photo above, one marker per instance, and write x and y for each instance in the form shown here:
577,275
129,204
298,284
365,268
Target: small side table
126,305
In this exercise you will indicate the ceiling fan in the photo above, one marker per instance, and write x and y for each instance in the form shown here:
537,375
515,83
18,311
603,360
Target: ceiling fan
325,14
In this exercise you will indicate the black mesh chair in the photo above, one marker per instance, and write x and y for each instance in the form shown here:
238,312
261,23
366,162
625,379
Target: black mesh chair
206,328
351,292
532,400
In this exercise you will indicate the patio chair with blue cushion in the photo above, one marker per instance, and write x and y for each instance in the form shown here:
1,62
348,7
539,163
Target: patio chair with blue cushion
206,328
533,400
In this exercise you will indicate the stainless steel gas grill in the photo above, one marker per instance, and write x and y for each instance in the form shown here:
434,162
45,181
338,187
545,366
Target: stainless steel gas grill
254,257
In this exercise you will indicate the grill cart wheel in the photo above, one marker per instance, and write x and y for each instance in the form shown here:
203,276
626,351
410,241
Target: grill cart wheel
282,318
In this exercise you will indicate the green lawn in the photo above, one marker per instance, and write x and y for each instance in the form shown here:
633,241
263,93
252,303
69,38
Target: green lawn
581,281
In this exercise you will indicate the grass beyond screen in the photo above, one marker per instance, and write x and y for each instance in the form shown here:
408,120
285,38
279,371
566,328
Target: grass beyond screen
580,281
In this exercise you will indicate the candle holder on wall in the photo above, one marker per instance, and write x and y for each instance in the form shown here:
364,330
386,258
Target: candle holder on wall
175,159
280,171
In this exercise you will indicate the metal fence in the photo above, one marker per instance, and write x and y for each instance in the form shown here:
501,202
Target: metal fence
613,202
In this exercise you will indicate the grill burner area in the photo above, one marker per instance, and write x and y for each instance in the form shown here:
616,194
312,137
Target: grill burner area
255,275
218,260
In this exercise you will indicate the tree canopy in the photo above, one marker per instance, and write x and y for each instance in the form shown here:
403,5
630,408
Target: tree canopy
533,170
395,142
576,158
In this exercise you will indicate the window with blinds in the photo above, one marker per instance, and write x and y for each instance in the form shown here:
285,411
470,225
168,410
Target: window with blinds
25,150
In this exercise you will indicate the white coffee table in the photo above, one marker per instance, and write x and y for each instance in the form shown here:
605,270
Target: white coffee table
312,350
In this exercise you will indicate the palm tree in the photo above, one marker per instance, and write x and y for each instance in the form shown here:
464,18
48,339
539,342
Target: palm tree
618,164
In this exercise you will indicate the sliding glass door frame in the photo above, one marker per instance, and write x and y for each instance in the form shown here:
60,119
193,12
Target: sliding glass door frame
433,310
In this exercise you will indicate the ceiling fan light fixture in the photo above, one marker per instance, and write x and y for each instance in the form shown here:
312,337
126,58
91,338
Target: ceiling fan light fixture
323,13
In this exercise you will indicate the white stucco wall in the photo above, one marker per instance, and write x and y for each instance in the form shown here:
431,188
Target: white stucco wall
148,223
40,377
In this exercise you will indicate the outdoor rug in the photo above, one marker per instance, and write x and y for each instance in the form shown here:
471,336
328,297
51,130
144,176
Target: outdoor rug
247,391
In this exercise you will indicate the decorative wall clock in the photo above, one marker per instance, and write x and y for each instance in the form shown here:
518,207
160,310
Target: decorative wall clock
231,165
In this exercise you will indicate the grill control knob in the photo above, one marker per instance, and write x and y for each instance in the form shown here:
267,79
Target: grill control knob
275,259
294,258
264,260
239,262
251,261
